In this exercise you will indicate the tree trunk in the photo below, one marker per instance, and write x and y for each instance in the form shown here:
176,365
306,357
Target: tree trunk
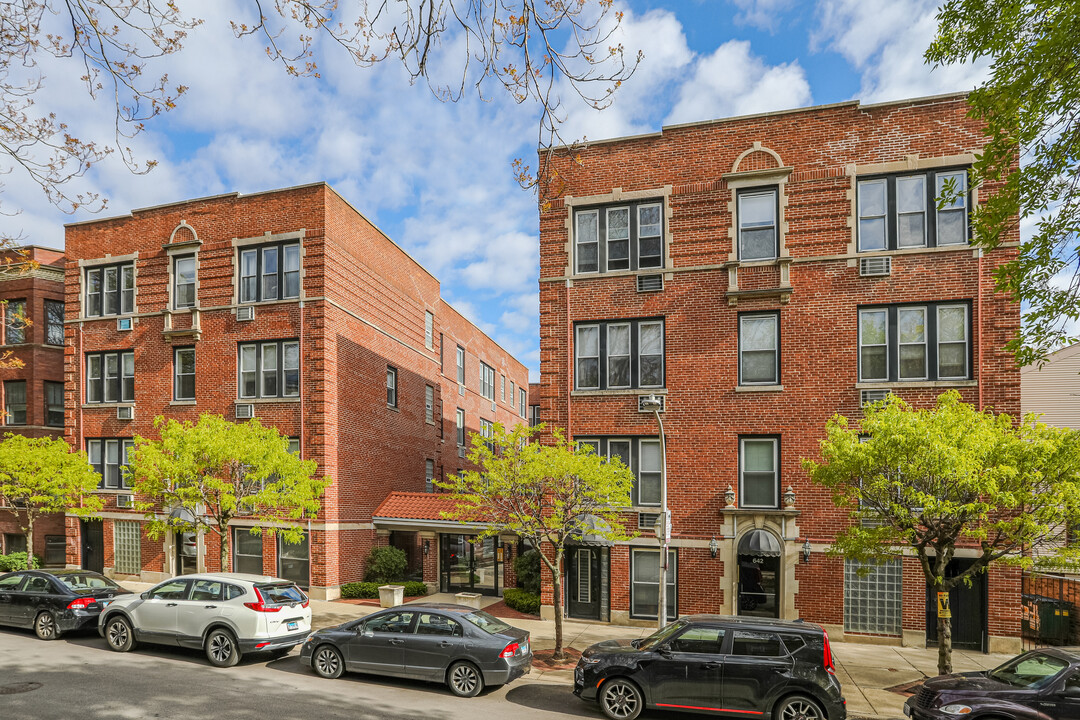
556,589
224,538
29,542
944,652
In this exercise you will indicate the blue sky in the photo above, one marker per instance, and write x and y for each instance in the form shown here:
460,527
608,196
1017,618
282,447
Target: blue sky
437,177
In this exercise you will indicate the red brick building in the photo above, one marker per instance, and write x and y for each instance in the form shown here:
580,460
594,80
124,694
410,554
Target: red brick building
32,350
290,307
759,274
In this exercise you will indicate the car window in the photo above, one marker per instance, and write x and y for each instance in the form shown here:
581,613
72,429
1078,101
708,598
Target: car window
233,591
756,644
793,642
171,590
394,622
432,624
281,594
661,636
1032,670
699,640
207,590
1072,683
38,584
487,623
11,583
82,583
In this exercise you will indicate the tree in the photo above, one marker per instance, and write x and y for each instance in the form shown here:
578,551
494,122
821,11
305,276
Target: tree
933,480
41,476
216,471
550,495
1031,107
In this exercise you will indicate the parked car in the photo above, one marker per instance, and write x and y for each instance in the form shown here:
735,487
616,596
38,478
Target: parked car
1042,684
225,614
747,667
465,648
54,602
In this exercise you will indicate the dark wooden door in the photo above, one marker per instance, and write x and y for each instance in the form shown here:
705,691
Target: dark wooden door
93,546
968,605
583,583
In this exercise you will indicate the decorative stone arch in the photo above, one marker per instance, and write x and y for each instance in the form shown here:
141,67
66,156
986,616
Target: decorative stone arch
782,531
757,157
183,238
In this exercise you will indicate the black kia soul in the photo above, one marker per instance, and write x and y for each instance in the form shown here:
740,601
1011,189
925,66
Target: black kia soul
738,667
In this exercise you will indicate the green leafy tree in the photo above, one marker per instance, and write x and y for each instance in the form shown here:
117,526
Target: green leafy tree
933,480
551,495
41,476
217,470
1029,105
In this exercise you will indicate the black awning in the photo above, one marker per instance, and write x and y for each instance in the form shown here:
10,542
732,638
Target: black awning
760,543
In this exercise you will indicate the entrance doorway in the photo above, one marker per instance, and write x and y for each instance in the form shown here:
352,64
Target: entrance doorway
759,555
585,568
93,545
968,606
467,566
187,553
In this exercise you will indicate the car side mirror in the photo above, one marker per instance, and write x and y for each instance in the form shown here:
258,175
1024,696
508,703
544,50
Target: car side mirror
664,650
635,643
367,633
145,595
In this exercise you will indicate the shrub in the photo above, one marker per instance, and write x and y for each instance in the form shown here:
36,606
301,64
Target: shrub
368,590
386,564
522,600
527,568
414,588
16,561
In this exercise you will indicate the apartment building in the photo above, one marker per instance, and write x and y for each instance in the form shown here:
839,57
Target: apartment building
757,275
288,306
32,373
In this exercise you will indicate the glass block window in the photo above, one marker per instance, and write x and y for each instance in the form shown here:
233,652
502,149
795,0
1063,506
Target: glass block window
127,550
872,601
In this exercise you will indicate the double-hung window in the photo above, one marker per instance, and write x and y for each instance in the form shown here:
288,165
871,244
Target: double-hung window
110,289
759,348
184,373
487,381
502,389
429,330
15,402
758,209
429,404
270,369
619,237
902,210
645,583
487,431
54,404
644,459
522,398
109,457
184,281
54,322
429,475
619,354
928,341
391,386
110,377
461,366
15,322
270,272
460,427
759,484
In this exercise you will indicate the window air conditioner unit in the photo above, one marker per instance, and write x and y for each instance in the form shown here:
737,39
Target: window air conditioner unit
872,396
875,266
125,413
650,283
245,411
641,399
461,451
245,313
242,509
125,501
123,323
646,521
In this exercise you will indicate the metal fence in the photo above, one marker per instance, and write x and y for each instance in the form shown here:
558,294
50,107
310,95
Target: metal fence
1049,609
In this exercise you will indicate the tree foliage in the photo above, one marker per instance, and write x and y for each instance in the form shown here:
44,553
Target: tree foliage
217,471
551,495
930,481
1031,106
41,476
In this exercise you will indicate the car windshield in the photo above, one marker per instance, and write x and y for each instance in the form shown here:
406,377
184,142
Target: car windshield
660,636
81,583
487,623
1033,670
281,594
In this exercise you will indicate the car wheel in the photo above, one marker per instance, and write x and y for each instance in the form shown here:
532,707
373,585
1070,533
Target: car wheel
221,649
798,707
464,679
620,699
327,662
45,626
119,635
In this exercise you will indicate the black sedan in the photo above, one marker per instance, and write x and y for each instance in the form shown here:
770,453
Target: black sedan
53,602
465,648
1038,685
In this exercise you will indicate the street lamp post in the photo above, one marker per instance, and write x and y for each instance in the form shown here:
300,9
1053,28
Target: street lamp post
654,403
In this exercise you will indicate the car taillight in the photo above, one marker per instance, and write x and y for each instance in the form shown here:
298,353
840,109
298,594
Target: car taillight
260,606
827,659
80,604
510,650
305,604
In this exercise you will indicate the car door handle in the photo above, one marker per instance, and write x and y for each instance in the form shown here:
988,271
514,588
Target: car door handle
170,604
710,665
396,642
210,607
444,643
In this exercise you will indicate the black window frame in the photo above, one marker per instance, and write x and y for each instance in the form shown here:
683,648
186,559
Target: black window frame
125,384
280,273
121,293
16,320
774,190
54,325
237,555
177,374
602,446
124,445
176,284
635,354
775,314
258,370
932,341
930,219
51,560
633,239
391,386
49,387
11,412
777,470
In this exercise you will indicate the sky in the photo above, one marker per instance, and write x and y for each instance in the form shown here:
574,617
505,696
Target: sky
437,177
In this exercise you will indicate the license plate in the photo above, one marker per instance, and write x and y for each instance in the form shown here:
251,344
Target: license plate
292,626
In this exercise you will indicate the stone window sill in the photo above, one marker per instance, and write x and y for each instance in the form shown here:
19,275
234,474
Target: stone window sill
899,384
758,388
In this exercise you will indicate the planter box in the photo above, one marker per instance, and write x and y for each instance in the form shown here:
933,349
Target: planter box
470,599
391,595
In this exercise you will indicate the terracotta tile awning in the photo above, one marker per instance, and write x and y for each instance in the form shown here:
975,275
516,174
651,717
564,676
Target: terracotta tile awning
415,506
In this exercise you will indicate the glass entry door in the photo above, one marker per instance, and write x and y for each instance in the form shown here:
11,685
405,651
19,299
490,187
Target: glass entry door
466,566
758,584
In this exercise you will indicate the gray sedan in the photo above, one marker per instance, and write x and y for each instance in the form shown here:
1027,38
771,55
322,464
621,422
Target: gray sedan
465,648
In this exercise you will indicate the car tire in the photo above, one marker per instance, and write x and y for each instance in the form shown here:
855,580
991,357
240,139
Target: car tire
464,679
621,699
798,707
45,626
119,635
327,662
222,649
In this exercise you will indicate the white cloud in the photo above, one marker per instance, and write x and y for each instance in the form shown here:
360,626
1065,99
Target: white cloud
762,14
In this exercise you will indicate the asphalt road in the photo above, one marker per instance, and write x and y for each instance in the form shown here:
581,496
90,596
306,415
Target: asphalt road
78,677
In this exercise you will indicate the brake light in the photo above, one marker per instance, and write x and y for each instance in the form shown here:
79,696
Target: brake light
305,604
80,603
510,650
827,659
261,605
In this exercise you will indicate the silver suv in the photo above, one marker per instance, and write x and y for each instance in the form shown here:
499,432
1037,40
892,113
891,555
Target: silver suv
225,614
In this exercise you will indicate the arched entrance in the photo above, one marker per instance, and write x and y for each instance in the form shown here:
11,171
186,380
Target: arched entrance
759,555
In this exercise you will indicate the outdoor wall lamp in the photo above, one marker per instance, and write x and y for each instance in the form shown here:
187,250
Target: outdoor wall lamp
713,547
806,551
427,546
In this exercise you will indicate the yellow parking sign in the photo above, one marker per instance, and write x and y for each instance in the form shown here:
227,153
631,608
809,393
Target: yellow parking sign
944,612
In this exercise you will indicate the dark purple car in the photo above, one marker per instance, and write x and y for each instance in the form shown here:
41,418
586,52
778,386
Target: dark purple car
1042,684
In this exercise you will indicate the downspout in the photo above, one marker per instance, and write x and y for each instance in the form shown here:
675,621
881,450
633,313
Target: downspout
978,311
301,379
569,360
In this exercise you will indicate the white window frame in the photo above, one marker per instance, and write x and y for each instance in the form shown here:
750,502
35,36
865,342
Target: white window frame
578,357
460,427
177,374
460,365
899,213
672,581
773,193
859,216
522,399
578,244
963,208
177,285
608,239
281,365
885,312
967,342
660,237
628,355
391,386
641,354
775,317
429,404
899,345
429,330
429,474
776,470
640,471
100,447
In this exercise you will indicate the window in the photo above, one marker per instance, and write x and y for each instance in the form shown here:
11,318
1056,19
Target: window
757,212
534,415
110,377
429,404
901,210
294,562
431,624
429,331
429,475
54,322
270,272
631,354
109,457
900,343
620,237
460,365
54,404
184,374
522,398
15,322
247,552
55,550
645,583
756,644
873,597
502,386
171,590
391,386
270,369
701,639
394,622
15,402
184,281
127,547
642,456
460,427
110,290
758,477
759,349
14,543
487,431
487,381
